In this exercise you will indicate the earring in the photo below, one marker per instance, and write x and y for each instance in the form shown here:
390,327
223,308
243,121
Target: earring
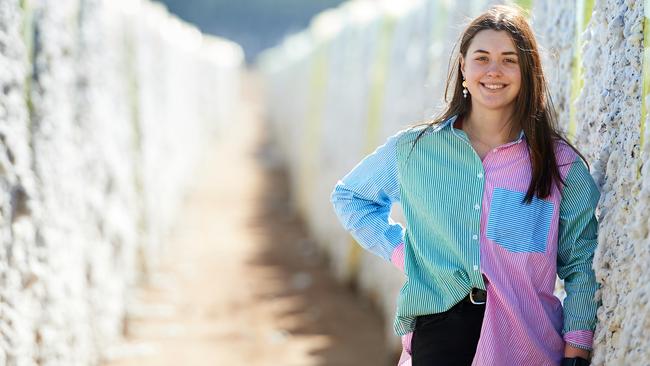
465,91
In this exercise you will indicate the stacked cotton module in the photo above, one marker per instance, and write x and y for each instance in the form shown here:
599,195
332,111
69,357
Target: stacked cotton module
351,59
87,151
219,69
607,121
555,27
166,104
608,131
20,292
321,102
64,221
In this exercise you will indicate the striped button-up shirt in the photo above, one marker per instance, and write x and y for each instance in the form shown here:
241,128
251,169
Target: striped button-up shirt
466,226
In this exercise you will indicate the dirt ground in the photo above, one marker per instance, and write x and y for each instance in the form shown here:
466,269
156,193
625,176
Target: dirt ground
241,282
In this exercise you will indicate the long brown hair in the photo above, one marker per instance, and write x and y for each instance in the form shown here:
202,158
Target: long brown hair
533,106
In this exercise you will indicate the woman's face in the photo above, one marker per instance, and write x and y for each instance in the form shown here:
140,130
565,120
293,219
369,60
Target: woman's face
491,69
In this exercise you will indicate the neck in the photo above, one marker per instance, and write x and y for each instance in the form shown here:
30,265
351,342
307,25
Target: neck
491,127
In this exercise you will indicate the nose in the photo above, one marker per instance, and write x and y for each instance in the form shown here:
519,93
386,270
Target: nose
494,69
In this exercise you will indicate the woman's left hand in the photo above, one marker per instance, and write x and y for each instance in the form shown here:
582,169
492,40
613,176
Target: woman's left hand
570,351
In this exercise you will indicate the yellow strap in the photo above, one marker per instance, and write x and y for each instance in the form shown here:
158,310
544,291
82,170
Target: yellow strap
314,121
646,83
380,69
28,38
525,4
584,9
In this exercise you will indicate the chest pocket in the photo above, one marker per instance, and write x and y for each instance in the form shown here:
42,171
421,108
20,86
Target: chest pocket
516,226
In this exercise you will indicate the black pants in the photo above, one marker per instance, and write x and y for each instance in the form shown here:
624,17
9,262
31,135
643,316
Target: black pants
448,338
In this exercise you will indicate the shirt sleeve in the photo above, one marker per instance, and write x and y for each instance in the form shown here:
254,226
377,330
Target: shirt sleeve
362,200
577,241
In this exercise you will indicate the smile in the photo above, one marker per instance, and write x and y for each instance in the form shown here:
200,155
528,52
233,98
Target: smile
494,86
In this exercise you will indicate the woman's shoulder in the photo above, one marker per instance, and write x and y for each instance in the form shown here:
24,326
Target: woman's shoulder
565,154
573,168
420,129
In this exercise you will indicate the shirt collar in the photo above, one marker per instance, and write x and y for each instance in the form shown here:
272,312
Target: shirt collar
449,123
444,124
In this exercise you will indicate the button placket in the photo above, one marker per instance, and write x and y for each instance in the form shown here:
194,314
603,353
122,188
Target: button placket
480,175
480,180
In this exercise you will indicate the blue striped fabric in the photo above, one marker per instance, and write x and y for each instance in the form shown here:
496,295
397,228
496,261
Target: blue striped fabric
363,198
516,226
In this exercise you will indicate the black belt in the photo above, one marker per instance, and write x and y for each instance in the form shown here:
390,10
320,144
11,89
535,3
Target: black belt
476,296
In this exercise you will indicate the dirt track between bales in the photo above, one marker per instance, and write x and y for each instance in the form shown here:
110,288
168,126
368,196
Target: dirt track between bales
241,282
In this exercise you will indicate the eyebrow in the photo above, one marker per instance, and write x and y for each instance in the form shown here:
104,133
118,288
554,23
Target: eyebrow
503,53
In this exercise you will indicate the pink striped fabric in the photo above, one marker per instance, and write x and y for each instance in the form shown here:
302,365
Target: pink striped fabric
580,338
405,357
520,286
397,257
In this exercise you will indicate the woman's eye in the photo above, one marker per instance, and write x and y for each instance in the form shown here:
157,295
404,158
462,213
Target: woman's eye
511,60
482,58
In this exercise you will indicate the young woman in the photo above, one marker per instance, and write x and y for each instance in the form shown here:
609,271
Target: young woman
496,203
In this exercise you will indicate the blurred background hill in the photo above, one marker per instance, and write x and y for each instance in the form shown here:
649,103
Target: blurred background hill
254,24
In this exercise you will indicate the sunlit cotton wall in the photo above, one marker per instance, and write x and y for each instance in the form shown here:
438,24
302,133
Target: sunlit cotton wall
367,69
106,107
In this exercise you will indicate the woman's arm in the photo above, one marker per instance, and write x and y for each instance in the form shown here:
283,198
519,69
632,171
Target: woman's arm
577,241
362,201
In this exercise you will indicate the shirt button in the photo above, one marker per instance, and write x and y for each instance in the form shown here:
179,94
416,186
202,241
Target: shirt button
495,150
475,267
479,175
477,206
475,237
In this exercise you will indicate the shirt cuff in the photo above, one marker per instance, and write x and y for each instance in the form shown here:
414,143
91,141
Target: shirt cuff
397,257
582,339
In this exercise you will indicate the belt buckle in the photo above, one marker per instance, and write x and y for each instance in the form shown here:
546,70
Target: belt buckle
471,297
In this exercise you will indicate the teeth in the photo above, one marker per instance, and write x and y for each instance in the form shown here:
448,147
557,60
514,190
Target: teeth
494,86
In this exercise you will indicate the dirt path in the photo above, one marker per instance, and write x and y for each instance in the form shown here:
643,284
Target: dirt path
241,283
